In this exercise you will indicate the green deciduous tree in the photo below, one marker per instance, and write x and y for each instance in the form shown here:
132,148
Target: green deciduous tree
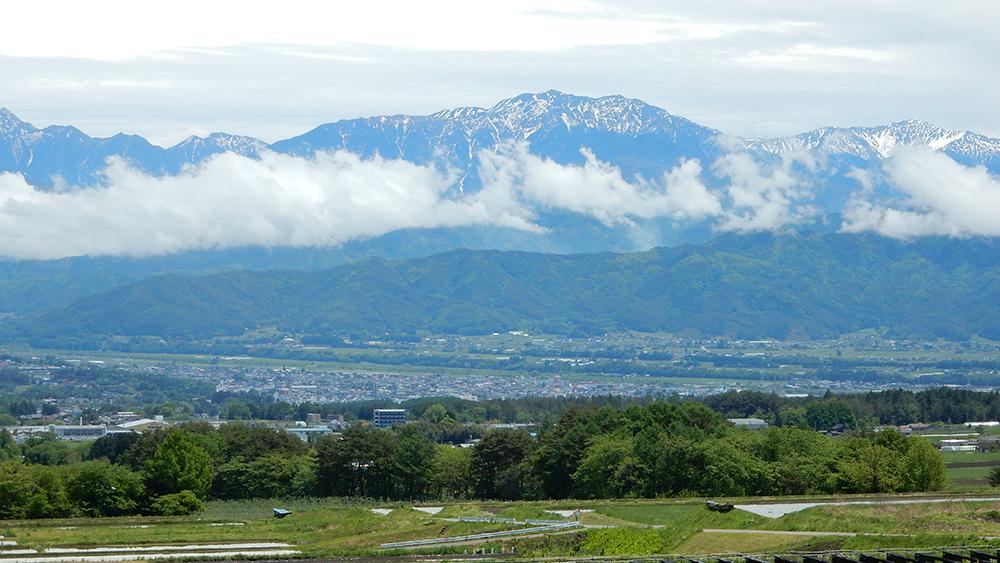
435,413
823,415
31,491
251,442
270,476
98,488
451,475
608,469
923,467
112,446
8,446
869,468
177,504
179,465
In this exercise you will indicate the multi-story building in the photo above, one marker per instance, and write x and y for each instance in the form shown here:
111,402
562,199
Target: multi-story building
384,418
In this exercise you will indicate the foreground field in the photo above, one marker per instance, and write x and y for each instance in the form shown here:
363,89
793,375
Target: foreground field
338,528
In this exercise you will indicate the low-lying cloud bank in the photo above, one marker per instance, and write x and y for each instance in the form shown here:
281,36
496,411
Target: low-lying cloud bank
942,197
232,201
281,200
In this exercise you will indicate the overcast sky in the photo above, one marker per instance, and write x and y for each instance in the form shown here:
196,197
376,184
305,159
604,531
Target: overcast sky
749,68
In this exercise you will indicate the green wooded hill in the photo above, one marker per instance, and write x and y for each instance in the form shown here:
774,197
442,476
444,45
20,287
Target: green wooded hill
737,286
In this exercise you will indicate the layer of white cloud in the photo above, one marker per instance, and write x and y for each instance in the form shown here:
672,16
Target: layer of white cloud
598,189
764,197
943,197
234,201
282,200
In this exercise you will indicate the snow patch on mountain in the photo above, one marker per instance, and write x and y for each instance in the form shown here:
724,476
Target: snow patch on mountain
872,143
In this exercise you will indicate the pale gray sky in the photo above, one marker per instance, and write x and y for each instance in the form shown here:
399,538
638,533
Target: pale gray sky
750,68
746,67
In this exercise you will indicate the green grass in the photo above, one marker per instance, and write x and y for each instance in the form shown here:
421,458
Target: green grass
348,527
704,543
918,541
651,514
960,517
958,457
956,474
623,541
970,473
253,509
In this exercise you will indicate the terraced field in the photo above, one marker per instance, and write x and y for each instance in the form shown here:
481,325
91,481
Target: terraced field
664,529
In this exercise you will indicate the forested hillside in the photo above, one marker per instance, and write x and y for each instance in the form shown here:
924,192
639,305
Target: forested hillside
738,286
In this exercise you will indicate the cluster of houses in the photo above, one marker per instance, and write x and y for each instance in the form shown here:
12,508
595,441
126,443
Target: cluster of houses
980,444
314,426
119,423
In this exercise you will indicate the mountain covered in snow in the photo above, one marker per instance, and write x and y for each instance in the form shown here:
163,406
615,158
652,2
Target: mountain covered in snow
627,133
872,143
64,155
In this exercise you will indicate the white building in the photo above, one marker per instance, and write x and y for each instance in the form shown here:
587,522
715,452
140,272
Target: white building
751,423
959,445
304,432
79,432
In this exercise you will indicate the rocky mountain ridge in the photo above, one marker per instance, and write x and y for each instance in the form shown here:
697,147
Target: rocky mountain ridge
623,131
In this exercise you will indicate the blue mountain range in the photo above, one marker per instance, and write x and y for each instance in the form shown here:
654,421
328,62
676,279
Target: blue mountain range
627,133
639,139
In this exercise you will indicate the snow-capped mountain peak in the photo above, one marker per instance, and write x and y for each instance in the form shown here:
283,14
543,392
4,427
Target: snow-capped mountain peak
639,138
11,125
880,142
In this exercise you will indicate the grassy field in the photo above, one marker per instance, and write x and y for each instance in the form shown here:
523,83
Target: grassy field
959,457
970,479
652,514
332,527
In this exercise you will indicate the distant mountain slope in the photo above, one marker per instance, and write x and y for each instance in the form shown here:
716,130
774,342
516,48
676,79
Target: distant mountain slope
57,153
738,286
871,143
638,139
27,286
626,132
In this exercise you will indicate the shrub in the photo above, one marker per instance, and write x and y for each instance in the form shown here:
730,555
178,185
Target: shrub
624,541
177,504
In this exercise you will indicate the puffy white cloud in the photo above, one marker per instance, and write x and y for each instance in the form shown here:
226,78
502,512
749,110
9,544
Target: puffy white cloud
282,200
764,197
233,201
597,188
943,197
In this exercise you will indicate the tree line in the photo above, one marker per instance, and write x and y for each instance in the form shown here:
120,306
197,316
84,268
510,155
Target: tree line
896,407
590,451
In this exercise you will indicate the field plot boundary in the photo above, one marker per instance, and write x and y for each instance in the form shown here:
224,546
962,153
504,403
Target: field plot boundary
777,510
131,553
